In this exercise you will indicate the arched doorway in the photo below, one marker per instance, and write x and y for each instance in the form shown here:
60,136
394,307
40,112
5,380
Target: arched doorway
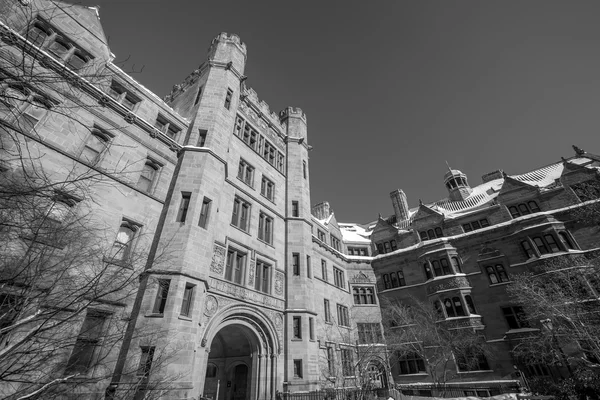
377,374
241,359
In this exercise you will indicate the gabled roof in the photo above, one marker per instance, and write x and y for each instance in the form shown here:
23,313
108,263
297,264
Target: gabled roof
87,17
483,195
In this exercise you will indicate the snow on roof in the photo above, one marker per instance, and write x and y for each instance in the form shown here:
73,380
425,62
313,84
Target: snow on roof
484,194
355,233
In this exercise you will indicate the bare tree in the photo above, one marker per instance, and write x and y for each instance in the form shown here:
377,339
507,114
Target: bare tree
560,299
349,359
422,342
66,282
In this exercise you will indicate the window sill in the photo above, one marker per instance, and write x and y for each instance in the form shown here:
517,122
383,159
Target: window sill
250,185
296,339
500,284
119,263
154,315
184,318
479,371
366,305
240,229
265,242
417,374
271,200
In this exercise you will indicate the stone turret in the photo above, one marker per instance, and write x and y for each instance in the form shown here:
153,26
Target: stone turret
457,185
321,211
230,49
400,204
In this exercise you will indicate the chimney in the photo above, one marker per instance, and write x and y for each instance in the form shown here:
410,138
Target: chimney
490,176
321,211
400,205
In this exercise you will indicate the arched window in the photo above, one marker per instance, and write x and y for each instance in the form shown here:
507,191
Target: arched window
449,308
527,249
470,304
541,246
124,241
401,280
496,273
394,279
458,307
438,309
551,243
211,370
77,61
438,232
524,209
428,272
59,47
431,234
147,176
445,266
514,211
386,281
564,237
38,34
95,146
533,206
456,264
436,268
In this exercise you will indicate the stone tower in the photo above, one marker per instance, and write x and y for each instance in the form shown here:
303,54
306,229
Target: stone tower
457,185
400,204
299,300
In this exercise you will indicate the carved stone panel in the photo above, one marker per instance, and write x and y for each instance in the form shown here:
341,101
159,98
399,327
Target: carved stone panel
453,282
218,260
244,294
278,283
251,273
211,305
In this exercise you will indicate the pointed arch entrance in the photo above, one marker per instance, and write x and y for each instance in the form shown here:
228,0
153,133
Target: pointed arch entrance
242,356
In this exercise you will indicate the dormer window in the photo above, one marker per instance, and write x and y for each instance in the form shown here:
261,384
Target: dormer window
431,234
166,127
44,36
38,33
122,96
59,47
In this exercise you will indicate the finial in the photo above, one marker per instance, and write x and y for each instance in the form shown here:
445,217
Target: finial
420,202
578,150
504,175
563,159
448,165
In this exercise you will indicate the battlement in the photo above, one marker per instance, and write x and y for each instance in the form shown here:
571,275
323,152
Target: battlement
225,37
183,86
292,112
263,107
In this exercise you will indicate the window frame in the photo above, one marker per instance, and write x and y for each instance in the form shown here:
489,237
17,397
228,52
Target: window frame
265,227
162,296
237,218
204,212
150,183
491,270
263,277
339,278
235,260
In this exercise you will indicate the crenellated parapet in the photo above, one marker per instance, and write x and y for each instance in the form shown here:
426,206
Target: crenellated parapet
189,81
295,112
260,111
228,38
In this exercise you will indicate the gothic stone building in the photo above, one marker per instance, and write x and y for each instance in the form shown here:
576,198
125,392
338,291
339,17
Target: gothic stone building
260,292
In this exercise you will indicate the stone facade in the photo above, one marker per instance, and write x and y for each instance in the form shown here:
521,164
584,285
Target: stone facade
264,293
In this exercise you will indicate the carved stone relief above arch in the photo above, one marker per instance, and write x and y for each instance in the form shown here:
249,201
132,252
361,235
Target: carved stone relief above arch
218,259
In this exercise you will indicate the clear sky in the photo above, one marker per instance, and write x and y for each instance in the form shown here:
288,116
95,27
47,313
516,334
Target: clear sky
392,89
